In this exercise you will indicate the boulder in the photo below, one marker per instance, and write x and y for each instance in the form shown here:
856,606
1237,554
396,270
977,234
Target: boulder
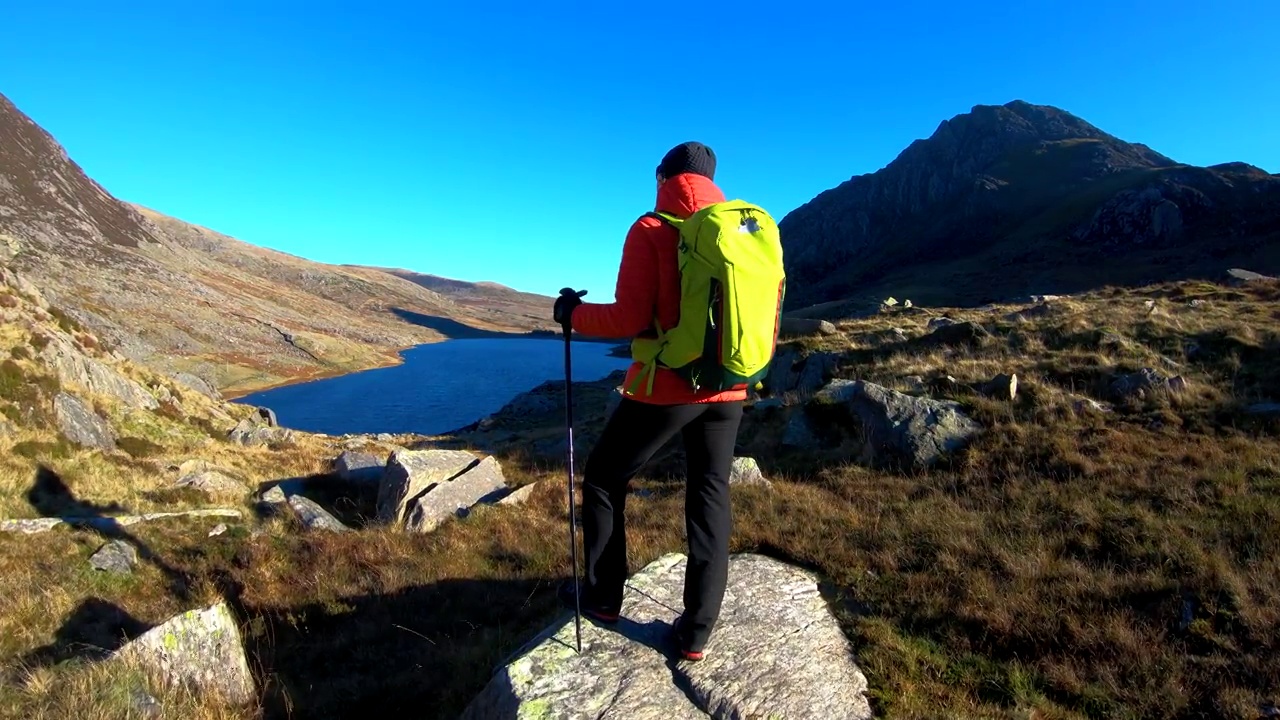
255,430
1240,276
73,367
747,472
940,322
358,467
81,425
1004,387
1139,384
482,484
799,434
914,430
752,668
955,335
313,516
421,488
783,376
116,556
816,371
199,649
792,326
213,482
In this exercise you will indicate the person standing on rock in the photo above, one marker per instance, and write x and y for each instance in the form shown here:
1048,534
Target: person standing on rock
648,288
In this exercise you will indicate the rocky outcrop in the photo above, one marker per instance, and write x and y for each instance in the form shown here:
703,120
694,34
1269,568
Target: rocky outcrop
81,425
258,429
198,384
896,427
1011,175
421,488
792,373
74,367
201,650
213,482
752,667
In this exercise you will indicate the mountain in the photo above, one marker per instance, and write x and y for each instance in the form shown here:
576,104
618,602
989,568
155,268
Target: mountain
183,298
1026,199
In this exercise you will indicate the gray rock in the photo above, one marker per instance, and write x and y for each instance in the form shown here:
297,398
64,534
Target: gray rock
213,482
782,377
274,495
81,425
7,428
314,516
199,649
1240,276
1143,382
518,496
358,467
1004,387
73,367
816,371
752,668
38,525
792,326
919,431
799,433
940,322
218,529
410,473
481,484
268,417
252,431
116,556
955,335
198,384
747,472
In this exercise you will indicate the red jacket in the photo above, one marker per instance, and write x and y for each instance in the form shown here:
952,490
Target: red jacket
649,286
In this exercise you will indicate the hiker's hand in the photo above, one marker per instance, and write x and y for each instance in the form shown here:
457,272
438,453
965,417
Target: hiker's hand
563,311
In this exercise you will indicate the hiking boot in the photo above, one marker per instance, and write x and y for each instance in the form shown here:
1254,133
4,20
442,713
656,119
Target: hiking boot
597,612
683,642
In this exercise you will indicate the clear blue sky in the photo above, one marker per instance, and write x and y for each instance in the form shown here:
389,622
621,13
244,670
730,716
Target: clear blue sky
515,142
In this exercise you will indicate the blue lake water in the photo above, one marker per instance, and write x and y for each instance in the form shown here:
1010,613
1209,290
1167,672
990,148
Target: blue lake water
439,386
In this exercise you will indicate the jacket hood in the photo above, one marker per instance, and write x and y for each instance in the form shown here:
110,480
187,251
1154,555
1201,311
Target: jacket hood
685,194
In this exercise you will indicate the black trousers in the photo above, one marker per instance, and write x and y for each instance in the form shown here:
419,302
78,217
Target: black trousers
632,435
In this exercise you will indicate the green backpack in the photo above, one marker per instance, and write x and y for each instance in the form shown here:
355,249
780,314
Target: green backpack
732,286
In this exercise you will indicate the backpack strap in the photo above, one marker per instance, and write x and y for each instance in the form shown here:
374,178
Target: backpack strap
671,220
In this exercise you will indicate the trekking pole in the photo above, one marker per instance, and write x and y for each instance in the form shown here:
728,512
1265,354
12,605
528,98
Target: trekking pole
568,421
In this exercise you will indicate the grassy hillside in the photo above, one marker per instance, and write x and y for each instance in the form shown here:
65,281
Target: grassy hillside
1072,562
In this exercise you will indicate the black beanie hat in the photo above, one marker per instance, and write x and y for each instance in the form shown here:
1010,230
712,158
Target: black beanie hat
690,157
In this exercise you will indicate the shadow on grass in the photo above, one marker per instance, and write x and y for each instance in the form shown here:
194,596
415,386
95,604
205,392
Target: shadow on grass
52,497
94,630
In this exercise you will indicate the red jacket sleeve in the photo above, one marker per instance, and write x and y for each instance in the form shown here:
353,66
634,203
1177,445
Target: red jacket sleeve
636,293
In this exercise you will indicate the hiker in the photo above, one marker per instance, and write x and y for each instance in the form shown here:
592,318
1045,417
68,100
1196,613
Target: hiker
658,404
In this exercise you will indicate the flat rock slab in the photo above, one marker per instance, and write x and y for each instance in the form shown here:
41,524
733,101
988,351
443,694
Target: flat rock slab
752,668
200,649
30,526
358,467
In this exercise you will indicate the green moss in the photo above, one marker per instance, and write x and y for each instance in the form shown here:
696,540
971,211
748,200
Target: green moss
34,450
139,447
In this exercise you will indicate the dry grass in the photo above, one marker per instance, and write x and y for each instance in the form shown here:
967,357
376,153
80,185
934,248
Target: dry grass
1064,566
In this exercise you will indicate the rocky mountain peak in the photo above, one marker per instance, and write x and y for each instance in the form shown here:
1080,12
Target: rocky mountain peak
46,196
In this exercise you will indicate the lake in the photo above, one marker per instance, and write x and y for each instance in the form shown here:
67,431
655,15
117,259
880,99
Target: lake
439,387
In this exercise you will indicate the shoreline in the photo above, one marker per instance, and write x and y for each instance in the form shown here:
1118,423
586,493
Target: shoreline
396,358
